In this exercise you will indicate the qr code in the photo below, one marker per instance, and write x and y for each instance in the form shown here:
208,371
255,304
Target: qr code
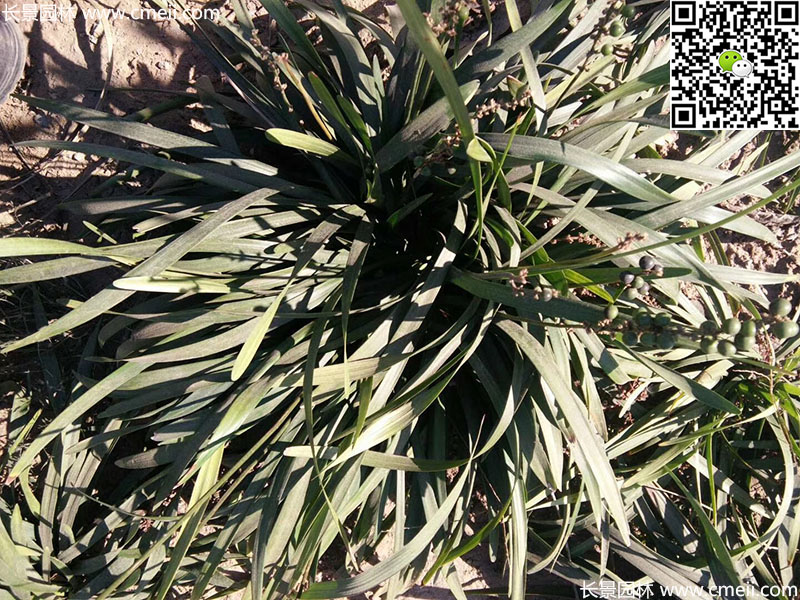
734,64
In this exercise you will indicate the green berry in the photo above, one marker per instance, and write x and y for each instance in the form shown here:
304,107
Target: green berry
630,338
732,326
785,329
745,342
626,277
638,282
643,319
709,345
780,307
616,29
709,327
662,319
658,270
630,294
727,348
607,49
611,312
547,295
748,329
628,11
647,262
425,171
419,161
648,339
666,340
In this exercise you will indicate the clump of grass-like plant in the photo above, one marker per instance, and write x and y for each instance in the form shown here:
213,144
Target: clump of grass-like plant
393,279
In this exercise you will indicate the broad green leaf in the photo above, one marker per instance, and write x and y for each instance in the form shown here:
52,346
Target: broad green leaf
477,151
192,172
307,143
16,246
730,189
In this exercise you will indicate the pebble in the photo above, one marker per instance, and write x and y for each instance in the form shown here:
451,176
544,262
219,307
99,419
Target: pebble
42,121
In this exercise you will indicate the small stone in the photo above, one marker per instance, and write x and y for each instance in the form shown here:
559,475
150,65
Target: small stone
43,121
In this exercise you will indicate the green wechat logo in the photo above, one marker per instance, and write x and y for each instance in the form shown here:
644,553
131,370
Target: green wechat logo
733,62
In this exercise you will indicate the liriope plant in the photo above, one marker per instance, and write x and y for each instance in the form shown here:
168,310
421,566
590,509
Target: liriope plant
407,273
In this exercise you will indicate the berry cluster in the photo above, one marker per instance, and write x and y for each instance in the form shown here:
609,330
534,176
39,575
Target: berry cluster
732,336
636,284
646,329
650,330
616,28
736,335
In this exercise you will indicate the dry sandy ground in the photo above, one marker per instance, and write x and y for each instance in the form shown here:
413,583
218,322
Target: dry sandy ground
74,59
